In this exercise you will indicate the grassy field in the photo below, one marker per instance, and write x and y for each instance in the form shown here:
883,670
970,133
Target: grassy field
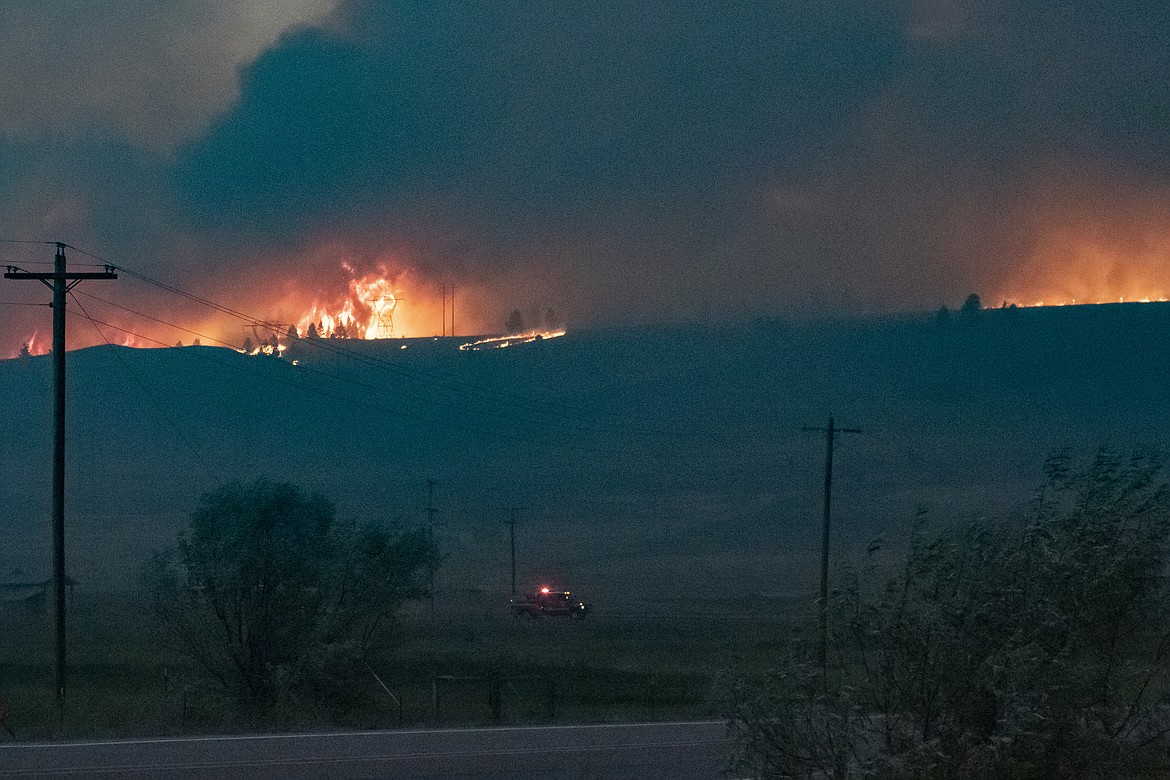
649,660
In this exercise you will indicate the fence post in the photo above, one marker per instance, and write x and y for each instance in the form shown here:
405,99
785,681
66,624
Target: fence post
494,697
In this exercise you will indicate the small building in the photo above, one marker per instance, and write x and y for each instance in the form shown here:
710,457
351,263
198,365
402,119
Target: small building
23,595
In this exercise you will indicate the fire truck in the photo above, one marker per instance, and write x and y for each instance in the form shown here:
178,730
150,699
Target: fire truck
546,602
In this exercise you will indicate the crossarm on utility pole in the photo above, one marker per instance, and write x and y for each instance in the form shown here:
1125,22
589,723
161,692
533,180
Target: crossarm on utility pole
15,273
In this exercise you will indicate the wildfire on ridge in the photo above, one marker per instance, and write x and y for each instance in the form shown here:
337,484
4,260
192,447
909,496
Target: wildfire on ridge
365,312
1086,259
371,307
500,342
1075,302
386,300
1066,300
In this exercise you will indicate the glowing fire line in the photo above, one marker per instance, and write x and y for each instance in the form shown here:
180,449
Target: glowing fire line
500,342
1074,302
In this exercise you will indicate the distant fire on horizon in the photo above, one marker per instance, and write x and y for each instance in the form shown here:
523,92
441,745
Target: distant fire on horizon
329,293
1086,278
1075,302
379,304
1087,252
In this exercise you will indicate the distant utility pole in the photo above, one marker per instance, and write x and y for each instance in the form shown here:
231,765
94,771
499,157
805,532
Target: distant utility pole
448,290
830,431
431,538
513,512
61,283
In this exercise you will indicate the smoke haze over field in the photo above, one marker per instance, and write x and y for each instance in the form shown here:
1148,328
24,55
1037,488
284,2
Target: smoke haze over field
615,160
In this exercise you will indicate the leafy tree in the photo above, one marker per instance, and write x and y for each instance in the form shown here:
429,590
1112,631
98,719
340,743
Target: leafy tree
292,334
271,594
1030,650
515,323
943,316
313,333
248,346
25,352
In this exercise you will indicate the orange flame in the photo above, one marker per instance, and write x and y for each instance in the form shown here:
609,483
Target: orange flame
337,298
365,312
1089,244
34,345
1069,269
500,342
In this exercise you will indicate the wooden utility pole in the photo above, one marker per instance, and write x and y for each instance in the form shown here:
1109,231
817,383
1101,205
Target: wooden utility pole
513,512
60,281
830,431
431,538
445,291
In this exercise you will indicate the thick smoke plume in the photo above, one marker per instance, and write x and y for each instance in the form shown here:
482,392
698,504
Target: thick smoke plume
616,161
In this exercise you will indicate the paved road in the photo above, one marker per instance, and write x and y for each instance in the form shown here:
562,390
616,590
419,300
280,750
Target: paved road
646,751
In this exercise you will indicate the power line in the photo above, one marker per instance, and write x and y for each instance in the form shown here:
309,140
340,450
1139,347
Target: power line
61,281
567,426
378,407
563,416
671,453
329,346
309,369
430,400
71,265
150,397
202,355
136,313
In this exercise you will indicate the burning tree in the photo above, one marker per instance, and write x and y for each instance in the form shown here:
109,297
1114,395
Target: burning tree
272,595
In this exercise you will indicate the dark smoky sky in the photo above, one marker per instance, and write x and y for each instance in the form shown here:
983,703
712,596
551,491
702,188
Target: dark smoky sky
621,160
